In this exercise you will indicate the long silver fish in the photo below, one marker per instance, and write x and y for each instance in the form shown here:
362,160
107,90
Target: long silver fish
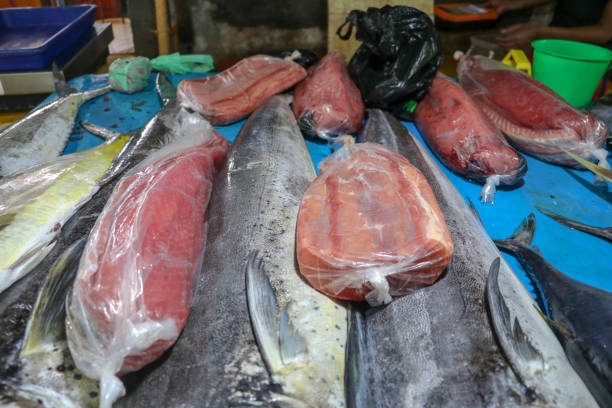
436,347
27,304
216,362
581,315
42,134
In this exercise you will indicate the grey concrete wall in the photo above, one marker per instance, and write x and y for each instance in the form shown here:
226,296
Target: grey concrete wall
233,29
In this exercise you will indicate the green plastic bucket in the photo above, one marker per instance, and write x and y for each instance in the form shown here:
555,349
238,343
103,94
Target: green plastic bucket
573,69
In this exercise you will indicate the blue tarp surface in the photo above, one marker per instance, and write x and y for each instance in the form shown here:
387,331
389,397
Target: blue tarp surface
567,192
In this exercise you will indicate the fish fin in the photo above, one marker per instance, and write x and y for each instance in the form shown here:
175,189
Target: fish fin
283,401
355,381
6,218
474,211
61,86
605,233
500,313
556,325
165,90
523,344
26,262
497,304
292,344
524,232
47,317
262,305
100,131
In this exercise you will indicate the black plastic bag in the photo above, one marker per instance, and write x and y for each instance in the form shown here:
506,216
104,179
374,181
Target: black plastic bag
398,59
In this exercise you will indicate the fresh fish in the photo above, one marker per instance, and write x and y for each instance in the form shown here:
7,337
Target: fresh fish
31,228
581,315
601,232
17,302
42,134
301,333
436,347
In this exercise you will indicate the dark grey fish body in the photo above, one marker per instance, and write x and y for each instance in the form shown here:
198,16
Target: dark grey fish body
42,134
436,347
216,361
581,315
18,302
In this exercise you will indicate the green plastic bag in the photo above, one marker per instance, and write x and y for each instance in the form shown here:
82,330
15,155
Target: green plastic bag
129,75
183,64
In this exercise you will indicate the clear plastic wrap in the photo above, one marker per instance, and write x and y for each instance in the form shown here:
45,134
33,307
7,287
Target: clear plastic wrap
465,139
534,118
327,102
369,227
234,93
132,293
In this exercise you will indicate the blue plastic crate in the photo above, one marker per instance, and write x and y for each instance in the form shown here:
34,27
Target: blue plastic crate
30,38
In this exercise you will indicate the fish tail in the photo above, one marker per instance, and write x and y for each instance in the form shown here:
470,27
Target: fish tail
61,86
524,232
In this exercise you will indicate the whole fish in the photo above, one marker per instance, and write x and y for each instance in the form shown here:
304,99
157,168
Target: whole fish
19,300
581,315
601,232
301,334
42,134
31,227
436,347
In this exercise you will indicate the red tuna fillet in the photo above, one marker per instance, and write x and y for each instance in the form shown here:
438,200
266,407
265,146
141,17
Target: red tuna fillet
369,226
533,116
328,102
234,93
132,294
464,138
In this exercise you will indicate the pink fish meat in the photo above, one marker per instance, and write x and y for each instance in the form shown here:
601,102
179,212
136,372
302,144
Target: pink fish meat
132,293
234,93
369,227
465,139
533,116
328,102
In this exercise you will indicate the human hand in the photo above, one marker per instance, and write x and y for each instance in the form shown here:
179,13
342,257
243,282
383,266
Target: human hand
519,35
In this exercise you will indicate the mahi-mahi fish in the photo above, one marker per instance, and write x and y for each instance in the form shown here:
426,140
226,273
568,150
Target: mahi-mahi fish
580,314
42,134
436,347
31,228
57,382
301,334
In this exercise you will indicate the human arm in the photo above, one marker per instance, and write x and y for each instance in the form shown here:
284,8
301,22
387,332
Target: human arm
521,35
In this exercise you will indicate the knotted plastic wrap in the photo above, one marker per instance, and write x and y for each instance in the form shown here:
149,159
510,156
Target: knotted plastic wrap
129,75
328,103
398,58
533,117
132,293
234,93
466,140
369,227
